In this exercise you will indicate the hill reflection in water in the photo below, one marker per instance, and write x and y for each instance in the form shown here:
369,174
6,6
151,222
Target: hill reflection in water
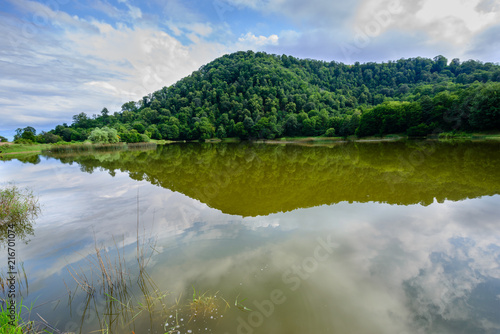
250,179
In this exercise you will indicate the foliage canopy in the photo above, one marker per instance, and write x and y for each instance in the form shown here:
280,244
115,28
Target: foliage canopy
259,95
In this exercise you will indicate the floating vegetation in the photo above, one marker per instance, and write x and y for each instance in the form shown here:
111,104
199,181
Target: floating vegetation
205,304
200,311
240,306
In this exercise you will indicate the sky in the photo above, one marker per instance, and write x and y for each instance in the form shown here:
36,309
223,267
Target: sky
59,58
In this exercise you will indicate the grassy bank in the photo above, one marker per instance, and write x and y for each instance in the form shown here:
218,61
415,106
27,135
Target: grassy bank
12,148
467,136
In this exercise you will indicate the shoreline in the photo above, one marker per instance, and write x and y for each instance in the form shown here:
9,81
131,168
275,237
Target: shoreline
39,148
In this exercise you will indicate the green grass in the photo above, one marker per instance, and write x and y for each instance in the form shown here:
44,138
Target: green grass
12,148
11,322
445,136
204,304
22,148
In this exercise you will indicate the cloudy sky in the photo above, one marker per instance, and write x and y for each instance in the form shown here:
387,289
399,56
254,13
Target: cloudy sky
62,57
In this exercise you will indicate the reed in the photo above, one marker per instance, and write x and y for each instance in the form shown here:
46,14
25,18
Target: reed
90,148
65,148
107,277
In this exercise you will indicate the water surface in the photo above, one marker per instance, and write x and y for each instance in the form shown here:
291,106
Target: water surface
348,238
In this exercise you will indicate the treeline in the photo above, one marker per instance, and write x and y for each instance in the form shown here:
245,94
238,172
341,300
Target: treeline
257,95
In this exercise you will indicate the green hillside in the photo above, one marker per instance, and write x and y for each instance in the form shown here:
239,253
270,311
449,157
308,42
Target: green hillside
258,95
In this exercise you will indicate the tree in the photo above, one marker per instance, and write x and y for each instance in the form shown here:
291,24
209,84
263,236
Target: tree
50,138
131,136
104,135
330,132
291,126
154,132
420,130
440,63
247,87
239,130
485,109
368,124
221,132
204,129
28,135
81,120
30,129
172,132
139,127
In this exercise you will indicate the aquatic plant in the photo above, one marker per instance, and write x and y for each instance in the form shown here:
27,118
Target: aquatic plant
204,304
107,277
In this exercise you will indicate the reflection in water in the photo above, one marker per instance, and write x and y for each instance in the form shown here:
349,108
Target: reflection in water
19,209
259,179
334,261
31,158
22,231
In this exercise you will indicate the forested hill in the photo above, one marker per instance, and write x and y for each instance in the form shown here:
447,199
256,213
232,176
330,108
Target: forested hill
258,95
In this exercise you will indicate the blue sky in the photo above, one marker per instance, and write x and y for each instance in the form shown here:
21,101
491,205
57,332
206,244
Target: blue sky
62,57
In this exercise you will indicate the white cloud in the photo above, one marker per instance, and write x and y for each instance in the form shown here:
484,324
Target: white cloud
201,29
134,12
194,31
84,64
259,40
155,59
42,16
462,11
449,25
318,13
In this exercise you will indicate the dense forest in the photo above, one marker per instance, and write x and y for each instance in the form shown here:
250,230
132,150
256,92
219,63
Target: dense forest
258,95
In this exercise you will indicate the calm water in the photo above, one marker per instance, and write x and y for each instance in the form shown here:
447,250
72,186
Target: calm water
348,238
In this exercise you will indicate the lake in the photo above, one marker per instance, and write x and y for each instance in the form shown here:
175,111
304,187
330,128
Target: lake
367,237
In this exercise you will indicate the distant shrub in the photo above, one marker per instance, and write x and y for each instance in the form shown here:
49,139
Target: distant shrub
23,141
420,130
330,132
104,135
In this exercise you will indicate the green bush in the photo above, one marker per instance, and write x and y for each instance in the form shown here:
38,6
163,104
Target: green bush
330,132
104,135
420,130
23,141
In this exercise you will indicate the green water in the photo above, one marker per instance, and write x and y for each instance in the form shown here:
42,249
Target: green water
259,179
393,237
